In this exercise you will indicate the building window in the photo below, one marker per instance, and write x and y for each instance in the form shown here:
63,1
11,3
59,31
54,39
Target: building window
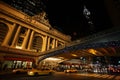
60,43
3,31
19,43
23,31
37,43
20,40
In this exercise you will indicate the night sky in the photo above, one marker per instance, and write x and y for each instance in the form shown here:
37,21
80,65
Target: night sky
67,17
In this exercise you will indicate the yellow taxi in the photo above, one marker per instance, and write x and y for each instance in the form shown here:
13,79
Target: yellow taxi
71,70
21,70
35,72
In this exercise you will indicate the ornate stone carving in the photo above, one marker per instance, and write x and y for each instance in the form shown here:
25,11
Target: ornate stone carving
41,17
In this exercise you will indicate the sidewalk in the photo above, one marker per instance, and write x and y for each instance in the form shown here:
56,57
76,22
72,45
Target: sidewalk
5,72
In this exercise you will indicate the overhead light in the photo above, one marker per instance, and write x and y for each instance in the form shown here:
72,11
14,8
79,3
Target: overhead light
54,59
93,51
18,47
74,55
61,57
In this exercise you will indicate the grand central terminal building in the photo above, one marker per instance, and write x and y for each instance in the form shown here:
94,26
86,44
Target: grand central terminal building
27,39
23,38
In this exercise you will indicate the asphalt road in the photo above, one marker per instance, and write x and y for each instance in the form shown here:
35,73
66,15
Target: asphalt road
61,76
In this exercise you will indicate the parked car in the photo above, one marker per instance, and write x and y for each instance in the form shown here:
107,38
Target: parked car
71,70
21,70
35,72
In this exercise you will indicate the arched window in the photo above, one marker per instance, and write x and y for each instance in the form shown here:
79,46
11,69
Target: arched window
60,43
37,43
3,31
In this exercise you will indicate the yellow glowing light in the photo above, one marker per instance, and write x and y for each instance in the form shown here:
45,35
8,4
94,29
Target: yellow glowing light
18,47
74,55
54,59
92,51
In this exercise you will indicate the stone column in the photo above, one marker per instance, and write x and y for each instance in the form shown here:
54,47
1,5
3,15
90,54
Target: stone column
31,40
44,43
25,39
48,43
9,34
16,37
53,44
56,43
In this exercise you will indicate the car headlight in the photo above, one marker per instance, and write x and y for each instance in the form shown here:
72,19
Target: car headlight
14,71
30,73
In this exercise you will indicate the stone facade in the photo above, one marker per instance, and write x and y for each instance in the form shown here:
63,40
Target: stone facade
23,38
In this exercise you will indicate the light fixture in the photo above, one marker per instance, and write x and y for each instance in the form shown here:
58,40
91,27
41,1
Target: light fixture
54,59
18,47
93,51
74,55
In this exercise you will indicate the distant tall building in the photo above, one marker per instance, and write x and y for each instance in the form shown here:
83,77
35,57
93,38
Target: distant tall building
30,7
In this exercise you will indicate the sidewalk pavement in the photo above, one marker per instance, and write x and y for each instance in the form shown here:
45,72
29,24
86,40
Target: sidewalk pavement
5,72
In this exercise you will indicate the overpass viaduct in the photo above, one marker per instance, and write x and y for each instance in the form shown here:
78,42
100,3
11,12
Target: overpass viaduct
105,43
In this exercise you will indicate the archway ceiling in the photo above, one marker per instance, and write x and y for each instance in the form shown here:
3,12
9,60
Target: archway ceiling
107,51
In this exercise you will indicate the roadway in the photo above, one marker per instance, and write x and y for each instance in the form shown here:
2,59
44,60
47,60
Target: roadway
62,76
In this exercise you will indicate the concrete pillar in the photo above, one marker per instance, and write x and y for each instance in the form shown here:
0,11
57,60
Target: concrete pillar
89,58
31,40
9,34
16,37
25,39
44,43
35,64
